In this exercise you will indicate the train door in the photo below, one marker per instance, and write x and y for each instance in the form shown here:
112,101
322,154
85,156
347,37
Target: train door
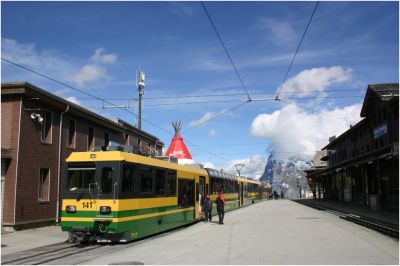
200,196
241,193
202,190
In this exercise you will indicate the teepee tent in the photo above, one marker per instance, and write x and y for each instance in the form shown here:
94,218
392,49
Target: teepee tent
177,148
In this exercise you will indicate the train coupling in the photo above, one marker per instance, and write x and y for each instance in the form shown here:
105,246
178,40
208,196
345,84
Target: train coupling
79,235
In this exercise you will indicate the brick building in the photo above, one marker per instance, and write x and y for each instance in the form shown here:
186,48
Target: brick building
32,155
363,162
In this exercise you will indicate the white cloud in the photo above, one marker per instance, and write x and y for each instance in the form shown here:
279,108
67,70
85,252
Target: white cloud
294,131
280,31
73,100
48,61
54,63
88,74
213,132
208,116
100,57
316,79
93,73
254,166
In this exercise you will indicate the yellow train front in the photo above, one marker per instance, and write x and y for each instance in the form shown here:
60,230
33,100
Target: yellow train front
115,196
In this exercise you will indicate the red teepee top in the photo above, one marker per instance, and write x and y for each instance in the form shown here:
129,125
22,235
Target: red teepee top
177,148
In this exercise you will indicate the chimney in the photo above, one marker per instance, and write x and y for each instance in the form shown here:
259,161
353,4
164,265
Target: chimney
332,138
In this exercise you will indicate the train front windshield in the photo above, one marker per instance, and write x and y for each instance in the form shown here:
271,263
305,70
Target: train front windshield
80,177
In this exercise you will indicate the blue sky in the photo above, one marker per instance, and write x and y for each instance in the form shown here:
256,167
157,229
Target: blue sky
98,46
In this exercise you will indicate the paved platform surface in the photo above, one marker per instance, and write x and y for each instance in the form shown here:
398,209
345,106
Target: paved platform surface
31,238
391,217
271,232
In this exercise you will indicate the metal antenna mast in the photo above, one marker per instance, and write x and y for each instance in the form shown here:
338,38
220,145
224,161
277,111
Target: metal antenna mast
140,87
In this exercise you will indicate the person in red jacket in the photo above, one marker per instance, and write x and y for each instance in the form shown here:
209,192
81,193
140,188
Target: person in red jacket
220,201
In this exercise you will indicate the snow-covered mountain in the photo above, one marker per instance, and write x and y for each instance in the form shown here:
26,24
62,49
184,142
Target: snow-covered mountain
285,175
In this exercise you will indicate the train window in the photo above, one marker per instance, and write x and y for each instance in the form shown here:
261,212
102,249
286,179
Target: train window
128,178
186,193
80,176
160,182
216,185
146,179
171,183
106,179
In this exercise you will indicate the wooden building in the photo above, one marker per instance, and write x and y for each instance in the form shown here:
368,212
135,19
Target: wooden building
363,162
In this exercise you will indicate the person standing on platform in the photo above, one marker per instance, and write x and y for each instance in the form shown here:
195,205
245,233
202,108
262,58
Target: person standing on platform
220,201
208,205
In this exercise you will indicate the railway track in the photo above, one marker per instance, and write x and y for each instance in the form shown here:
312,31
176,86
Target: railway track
385,228
46,254
65,253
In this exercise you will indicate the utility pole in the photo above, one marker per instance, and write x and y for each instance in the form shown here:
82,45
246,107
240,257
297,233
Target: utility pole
140,87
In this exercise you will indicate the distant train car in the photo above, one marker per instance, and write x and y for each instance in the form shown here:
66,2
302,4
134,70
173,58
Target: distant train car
250,191
227,183
116,196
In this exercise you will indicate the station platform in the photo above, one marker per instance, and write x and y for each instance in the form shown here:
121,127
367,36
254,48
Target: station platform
275,232
389,218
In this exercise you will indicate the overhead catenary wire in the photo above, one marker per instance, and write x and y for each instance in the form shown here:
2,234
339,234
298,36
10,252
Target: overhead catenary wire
214,117
100,99
226,51
226,95
297,50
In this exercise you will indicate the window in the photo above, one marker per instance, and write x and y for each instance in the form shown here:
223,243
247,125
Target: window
160,182
128,178
395,111
106,139
126,139
90,138
71,133
45,130
146,179
80,176
186,193
44,184
106,179
171,183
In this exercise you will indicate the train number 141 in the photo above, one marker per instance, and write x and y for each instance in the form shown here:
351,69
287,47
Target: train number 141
87,205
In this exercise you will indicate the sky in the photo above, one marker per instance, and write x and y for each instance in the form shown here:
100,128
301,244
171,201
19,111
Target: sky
98,47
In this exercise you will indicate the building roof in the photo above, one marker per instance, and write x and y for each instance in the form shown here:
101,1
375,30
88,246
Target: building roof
317,160
344,134
23,87
383,92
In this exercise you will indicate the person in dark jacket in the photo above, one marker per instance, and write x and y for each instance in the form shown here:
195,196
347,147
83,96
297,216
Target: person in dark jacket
208,205
220,201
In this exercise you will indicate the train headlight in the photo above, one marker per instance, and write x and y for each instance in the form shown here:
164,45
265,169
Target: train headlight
105,210
71,209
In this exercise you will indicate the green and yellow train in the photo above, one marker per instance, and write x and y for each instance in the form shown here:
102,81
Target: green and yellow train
116,196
